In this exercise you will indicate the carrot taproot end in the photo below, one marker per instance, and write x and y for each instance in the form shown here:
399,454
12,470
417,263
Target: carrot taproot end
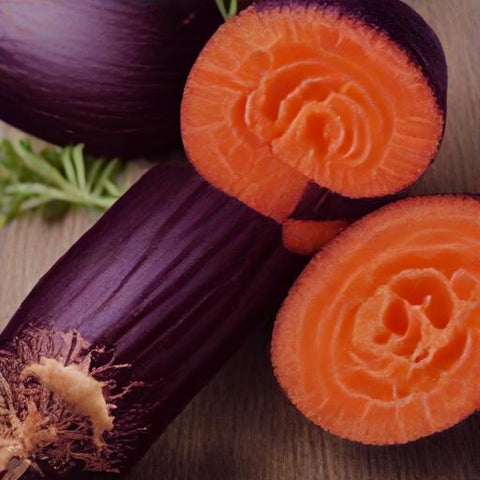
379,339
282,96
307,237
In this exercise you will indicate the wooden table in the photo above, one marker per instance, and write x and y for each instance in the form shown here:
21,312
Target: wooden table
241,427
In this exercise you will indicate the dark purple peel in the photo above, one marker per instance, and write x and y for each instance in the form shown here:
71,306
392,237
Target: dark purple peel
320,203
107,73
170,281
401,23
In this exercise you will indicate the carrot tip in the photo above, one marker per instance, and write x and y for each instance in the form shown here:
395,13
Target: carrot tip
307,237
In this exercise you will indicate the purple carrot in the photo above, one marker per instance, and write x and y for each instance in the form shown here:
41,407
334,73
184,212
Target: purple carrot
107,73
322,109
132,322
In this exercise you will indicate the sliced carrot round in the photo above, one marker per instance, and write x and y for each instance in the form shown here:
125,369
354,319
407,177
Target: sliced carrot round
283,95
379,339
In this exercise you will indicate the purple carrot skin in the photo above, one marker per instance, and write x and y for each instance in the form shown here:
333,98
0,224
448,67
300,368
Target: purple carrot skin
347,94
320,203
139,314
107,73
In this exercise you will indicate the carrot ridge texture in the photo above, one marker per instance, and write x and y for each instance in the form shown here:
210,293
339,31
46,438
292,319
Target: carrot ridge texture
379,338
144,310
347,94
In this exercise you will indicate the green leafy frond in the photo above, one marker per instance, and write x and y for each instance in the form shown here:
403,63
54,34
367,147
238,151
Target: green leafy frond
229,11
53,180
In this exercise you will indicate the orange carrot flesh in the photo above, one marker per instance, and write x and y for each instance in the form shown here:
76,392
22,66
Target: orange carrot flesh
283,96
379,339
307,237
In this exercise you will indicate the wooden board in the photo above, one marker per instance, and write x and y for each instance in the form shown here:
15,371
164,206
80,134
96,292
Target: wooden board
241,427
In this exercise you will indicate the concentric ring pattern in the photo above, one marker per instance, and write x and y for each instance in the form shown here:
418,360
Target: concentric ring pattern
310,95
379,340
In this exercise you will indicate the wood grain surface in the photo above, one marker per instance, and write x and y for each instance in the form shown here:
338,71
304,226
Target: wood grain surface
241,427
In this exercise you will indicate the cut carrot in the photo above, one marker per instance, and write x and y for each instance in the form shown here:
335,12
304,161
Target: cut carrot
379,339
307,237
348,94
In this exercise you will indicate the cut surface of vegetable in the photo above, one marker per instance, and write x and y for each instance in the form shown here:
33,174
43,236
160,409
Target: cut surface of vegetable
136,318
307,237
379,338
348,94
